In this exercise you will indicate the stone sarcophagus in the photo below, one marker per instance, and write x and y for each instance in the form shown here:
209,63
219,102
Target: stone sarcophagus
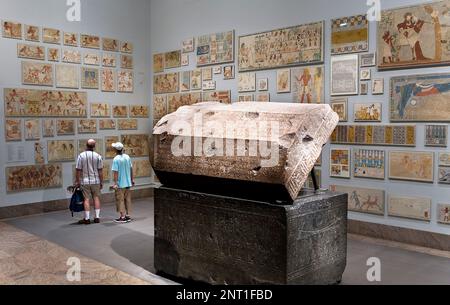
232,209
265,150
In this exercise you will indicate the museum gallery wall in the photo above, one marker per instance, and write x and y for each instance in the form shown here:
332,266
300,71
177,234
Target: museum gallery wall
390,152
74,83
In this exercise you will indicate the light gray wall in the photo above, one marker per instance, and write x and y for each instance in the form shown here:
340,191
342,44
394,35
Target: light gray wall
172,21
123,20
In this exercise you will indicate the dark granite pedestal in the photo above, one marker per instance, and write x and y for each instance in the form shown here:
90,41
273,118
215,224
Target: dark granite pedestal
221,240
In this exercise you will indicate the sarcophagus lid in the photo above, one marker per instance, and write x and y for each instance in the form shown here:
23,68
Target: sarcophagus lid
251,147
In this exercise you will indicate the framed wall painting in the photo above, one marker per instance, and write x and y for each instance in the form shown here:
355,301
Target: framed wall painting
223,97
99,146
32,33
89,78
67,76
217,70
126,61
109,60
367,112
263,84
172,59
340,163
207,74
217,48
32,129
375,135
444,214
71,56
61,151
39,153
125,81
420,98
70,39
247,82
13,130
378,86
177,100
44,103
185,83
30,51
87,126
38,74
167,83
363,200
136,145
284,81
120,111
196,79
263,97
107,124
142,168
110,152
340,106
412,37
53,54
108,83
51,36
410,208
110,45
188,45
411,166
444,175
250,97
308,85
369,163
368,60
91,59
11,29
33,177
65,127
184,60
309,183
291,46
436,135
90,41
100,110
159,106
365,74
126,47
139,111
364,88
127,124
208,85
444,159
158,63
344,75
229,72
48,128
350,35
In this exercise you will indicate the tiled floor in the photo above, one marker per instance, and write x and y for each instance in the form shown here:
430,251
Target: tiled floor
129,248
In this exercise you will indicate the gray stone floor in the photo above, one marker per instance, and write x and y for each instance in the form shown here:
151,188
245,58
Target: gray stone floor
129,248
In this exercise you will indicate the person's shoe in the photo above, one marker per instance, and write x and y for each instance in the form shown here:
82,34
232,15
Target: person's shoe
84,222
120,220
128,218
97,220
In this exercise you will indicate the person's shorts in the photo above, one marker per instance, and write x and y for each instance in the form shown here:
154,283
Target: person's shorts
91,191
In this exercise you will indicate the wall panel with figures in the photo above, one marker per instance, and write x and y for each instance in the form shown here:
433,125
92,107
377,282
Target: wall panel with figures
64,82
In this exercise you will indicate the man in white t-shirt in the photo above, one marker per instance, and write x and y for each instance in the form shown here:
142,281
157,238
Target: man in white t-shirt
89,177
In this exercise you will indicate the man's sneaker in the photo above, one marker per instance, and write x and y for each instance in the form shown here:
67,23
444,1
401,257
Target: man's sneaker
128,218
120,220
97,220
84,222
